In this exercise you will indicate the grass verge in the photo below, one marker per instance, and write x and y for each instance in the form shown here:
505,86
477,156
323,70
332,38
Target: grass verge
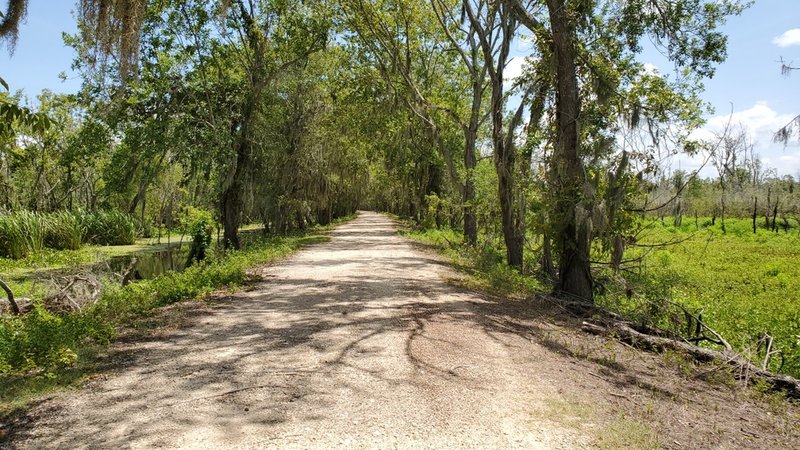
484,266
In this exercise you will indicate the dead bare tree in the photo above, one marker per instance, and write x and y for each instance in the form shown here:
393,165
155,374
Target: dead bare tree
726,158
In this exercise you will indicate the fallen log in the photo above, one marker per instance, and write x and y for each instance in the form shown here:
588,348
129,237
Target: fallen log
747,370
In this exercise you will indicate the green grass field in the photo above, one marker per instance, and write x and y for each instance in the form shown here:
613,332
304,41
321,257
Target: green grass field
746,284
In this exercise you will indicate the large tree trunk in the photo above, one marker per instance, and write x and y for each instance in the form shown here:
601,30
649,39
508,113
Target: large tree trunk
232,200
573,235
511,235
231,206
470,221
233,194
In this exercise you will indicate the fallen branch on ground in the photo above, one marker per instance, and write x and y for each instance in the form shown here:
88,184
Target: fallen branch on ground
747,370
70,297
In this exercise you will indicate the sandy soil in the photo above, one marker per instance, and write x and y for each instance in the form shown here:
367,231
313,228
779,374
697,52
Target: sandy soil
361,343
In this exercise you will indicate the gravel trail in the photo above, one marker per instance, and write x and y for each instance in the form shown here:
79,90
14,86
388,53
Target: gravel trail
357,343
361,343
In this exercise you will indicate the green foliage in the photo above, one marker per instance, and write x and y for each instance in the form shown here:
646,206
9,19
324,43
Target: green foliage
41,340
444,239
191,217
65,231
200,228
433,203
13,116
22,233
108,227
485,265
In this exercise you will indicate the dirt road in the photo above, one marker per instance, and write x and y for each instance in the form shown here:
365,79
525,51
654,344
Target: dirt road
355,343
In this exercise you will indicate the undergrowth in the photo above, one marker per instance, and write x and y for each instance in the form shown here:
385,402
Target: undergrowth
24,233
484,265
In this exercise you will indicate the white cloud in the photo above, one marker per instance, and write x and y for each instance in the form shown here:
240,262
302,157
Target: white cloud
761,122
513,68
788,38
651,69
760,119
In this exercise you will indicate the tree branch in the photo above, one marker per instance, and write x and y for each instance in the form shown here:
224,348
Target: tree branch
10,294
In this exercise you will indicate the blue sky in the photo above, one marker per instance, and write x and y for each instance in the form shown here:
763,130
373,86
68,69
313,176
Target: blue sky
40,54
763,100
750,79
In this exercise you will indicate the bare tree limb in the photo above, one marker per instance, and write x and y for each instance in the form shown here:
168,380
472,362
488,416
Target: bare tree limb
10,294
711,153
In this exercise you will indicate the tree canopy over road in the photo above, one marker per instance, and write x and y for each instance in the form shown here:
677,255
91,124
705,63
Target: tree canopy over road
297,112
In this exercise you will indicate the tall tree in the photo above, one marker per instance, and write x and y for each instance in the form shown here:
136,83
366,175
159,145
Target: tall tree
464,38
573,32
495,27
276,36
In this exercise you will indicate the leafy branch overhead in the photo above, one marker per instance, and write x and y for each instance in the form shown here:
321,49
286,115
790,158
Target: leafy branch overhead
13,115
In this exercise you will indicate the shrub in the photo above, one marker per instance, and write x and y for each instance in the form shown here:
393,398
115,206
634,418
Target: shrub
109,228
64,231
21,234
42,340
12,243
27,233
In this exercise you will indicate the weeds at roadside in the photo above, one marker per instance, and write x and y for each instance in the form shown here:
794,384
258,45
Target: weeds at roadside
485,268
627,433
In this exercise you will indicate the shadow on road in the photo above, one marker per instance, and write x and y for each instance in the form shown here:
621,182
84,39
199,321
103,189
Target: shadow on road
363,315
